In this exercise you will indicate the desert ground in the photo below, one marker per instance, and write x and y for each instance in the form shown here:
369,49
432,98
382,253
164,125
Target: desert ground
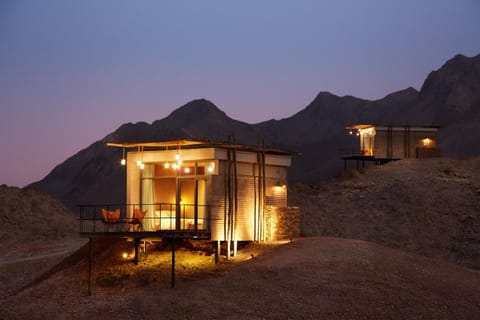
398,241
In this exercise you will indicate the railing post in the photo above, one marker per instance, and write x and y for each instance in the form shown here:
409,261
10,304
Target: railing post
173,259
137,243
90,266
81,219
94,218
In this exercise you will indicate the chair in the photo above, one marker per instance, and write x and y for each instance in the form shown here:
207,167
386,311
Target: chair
110,217
136,220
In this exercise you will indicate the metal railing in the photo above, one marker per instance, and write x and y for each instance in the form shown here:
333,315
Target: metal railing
154,217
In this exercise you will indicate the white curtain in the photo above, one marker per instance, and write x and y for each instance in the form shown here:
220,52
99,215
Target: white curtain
148,198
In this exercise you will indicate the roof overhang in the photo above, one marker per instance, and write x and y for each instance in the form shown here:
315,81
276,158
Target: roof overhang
157,144
393,127
194,144
359,126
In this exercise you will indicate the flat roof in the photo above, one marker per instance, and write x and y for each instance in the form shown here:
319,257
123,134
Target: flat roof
394,127
194,144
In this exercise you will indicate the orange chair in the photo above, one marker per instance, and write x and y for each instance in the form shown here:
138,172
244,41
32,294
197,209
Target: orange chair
136,220
110,217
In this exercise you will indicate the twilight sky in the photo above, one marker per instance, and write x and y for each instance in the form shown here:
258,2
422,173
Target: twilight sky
72,72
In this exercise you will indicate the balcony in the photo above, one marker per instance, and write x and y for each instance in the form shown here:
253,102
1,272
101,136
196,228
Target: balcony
156,220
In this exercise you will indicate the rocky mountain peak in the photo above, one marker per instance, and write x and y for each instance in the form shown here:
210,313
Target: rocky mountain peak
197,109
456,84
450,97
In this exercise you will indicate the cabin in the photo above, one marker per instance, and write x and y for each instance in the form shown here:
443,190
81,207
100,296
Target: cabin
197,189
220,192
382,144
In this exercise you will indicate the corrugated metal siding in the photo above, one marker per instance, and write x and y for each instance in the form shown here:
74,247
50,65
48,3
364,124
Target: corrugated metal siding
399,142
245,223
245,209
217,203
277,197
245,212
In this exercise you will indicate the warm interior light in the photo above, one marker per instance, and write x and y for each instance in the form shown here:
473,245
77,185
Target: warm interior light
166,165
280,185
211,167
366,131
125,255
142,165
174,166
350,132
139,163
187,170
123,161
427,142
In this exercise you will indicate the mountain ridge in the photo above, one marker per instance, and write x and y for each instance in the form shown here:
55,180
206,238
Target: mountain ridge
450,97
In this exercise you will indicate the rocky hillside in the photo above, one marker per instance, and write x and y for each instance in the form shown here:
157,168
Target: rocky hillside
450,97
429,207
28,217
36,232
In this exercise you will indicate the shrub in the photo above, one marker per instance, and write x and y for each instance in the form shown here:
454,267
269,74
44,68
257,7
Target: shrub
447,169
350,174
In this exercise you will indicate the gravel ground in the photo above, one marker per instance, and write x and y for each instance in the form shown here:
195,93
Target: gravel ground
423,217
309,278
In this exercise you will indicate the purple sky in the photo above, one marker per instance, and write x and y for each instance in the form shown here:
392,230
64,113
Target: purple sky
71,72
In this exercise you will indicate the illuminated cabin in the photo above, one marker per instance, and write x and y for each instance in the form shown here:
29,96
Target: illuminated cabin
205,190
201,190
385,143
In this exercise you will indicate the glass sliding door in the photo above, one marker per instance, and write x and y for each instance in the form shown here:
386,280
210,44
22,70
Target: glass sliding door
165,196
186,200
201,205
191,199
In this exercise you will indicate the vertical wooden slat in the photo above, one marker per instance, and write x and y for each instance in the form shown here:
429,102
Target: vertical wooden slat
235,198
255,220
195,207
229,198
259,194
225,202
264,189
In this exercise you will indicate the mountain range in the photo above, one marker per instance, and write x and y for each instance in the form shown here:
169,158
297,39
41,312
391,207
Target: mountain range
449,98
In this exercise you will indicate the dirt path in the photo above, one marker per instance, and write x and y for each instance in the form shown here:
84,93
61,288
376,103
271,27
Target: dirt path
38,255
24,264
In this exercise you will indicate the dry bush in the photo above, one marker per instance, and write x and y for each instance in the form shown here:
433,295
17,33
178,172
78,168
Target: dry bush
350,174
447,169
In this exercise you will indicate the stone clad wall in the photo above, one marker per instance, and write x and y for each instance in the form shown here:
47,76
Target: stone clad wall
282,223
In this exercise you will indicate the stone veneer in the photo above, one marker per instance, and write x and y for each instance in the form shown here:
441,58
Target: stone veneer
281,223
